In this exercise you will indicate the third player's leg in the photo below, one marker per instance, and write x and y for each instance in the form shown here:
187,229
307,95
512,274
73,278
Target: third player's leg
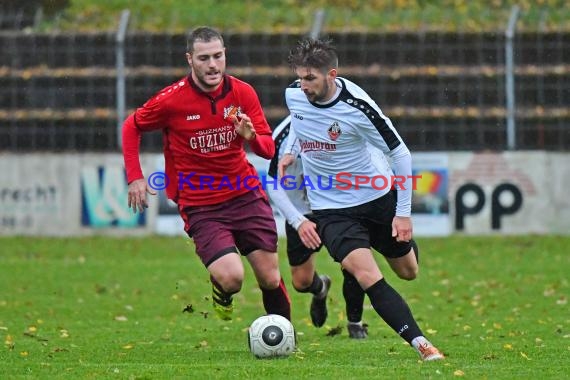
302,275
406,266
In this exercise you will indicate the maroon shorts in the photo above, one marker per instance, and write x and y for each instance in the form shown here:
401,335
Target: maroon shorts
244,223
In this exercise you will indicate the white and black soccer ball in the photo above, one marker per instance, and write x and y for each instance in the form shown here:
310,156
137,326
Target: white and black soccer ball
271,336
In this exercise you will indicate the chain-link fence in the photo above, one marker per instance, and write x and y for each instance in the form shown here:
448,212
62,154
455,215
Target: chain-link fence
443,90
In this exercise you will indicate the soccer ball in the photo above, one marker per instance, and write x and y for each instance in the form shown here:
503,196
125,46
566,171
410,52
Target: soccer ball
271,336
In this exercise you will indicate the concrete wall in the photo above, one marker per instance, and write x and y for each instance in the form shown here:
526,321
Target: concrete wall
466,193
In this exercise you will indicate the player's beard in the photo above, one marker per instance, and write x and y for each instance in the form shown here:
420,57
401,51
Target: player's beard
319,96
206,84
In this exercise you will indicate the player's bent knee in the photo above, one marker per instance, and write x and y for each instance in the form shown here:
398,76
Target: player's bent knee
301,283
408,273
270,281
231,282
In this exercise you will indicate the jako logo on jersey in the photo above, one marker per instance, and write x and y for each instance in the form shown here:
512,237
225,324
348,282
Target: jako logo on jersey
231,110
192,117
297,116
334,131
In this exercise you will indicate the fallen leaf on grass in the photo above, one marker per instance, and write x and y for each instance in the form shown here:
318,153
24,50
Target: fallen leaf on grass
508,346
202,344
525,356
335,331
128,346
100,289
459,373
121,318
188,309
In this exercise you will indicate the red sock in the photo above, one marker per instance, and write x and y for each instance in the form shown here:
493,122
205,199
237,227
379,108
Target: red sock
277,301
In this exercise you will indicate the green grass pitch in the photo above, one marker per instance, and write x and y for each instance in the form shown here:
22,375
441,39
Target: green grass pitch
113,308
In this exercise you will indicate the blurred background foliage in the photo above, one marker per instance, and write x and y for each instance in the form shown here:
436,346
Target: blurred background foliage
177,16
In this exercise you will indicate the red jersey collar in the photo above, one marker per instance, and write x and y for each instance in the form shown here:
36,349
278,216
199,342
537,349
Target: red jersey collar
218,93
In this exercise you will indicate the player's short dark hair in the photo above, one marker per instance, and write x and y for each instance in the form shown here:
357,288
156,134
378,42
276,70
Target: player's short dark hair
202,34
315,53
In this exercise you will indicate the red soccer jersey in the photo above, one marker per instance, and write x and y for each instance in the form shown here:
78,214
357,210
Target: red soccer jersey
204,156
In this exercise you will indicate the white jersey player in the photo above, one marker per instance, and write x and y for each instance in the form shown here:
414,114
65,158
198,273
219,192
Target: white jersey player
334,121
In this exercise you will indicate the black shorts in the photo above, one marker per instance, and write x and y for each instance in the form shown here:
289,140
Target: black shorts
363,226
297,252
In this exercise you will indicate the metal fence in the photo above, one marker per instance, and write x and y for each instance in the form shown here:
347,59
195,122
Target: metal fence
443,91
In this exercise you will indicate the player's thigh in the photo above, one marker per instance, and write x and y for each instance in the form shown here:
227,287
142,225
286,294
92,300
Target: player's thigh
212,238
361,264
254,226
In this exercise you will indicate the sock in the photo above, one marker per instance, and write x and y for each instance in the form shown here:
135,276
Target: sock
353,297
276,301
316,286
392,308
420,341
219,295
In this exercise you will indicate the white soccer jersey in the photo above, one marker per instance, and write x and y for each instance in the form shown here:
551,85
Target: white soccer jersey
333,140
290,199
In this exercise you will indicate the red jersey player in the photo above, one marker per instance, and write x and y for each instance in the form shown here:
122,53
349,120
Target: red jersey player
205,119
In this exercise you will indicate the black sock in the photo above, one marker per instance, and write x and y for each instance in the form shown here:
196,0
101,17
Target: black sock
276,301
219,295
353,296
393,309
316,286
